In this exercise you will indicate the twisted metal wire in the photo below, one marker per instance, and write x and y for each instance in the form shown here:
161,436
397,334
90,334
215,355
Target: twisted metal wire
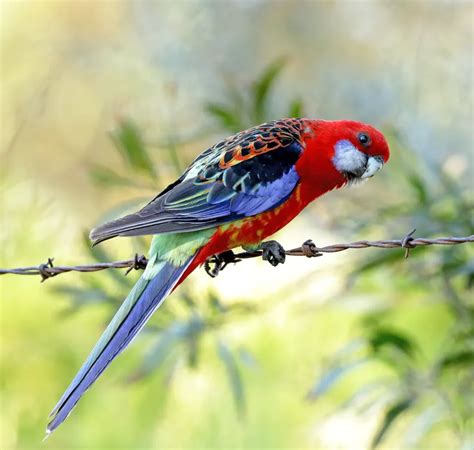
308,249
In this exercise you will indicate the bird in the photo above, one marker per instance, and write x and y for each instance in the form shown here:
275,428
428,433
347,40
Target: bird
234,194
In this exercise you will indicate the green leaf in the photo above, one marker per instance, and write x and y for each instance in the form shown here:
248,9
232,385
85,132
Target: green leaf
128,140
173,152
215,304
422,424
79,295
364,397
392,413
228,119
296,108
382,257
247,358
331,377
383,338
418,185
460,358
162,349
262,87
195,328
107,177
234,376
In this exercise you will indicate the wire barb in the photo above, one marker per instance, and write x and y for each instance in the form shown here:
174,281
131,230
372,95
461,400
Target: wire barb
407,242
310,249
220,262
139,263
43,270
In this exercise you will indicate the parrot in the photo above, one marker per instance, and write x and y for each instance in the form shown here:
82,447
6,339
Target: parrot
234,194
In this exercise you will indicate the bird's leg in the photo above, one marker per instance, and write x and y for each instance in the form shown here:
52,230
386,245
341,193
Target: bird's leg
220,262
272,251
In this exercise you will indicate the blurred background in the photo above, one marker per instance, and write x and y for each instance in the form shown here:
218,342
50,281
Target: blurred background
104,103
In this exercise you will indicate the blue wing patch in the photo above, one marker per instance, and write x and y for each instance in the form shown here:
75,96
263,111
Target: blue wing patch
216,189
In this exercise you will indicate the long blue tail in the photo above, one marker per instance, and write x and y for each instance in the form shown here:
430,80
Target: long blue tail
146,296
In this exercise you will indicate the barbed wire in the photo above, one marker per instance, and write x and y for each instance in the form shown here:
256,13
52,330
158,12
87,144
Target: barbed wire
217,263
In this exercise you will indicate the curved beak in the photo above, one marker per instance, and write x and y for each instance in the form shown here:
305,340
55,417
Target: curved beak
374,164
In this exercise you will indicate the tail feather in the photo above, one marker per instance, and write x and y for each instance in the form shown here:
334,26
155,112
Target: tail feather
146,296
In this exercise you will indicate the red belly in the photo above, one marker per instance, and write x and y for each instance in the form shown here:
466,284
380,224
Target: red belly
251,230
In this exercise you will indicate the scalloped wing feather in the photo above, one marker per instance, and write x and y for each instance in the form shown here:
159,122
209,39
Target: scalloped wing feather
244,175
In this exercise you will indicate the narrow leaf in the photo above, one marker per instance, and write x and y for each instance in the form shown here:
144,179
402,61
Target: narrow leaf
80,296
385,257
460,358
382,338
128,140
227,118
107,177
175,333
331,377
422,424
195,328
234,376
418,186
392,413
261,88
296,108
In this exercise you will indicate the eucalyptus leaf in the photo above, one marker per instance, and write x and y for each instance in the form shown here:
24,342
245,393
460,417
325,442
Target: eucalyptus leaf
162,349
382,338
331,377
81,296
390,416
422,424
418,186
296,108
262,87
195,328
454,360
104,176
226,116
233,373
128,140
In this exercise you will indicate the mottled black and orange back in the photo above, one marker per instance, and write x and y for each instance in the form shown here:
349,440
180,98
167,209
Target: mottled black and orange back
241,176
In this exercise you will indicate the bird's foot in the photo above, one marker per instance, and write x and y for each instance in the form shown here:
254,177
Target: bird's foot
216,263
273,252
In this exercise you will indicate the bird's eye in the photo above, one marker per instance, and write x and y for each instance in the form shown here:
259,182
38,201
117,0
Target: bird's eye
364,139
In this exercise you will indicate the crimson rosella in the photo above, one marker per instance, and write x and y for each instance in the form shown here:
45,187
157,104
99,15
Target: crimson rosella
236,193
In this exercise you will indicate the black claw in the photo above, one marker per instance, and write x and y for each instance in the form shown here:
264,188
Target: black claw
273,252
219,262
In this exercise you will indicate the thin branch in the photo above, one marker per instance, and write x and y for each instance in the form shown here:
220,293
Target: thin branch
308,249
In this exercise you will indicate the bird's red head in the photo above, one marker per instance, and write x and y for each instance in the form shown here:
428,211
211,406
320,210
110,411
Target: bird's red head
347,151
362,136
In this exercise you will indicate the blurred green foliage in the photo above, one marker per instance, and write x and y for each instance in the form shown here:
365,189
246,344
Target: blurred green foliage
422,387
247,108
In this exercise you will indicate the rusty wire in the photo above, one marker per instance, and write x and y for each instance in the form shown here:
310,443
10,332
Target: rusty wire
308,249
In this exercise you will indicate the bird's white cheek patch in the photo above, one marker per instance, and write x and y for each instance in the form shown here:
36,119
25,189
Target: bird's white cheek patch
347,158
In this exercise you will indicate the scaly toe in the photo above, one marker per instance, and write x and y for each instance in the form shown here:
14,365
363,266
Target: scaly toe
273,252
